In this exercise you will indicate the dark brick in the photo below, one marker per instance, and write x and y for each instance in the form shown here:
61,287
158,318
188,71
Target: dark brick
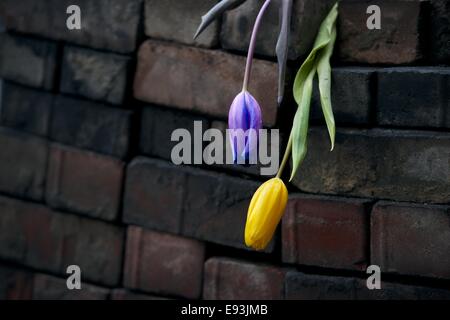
397,42
178,21
326,232
440,31
92,126
215,207
27,61
23,164
350,96
15,284
52,288
25,109
411,239
395,291
94,75
389,164
105,24
188,201
227,279
200,80
414,97
163,263
84,182
301,286
153,195
157,125
34,236
124,294
238,24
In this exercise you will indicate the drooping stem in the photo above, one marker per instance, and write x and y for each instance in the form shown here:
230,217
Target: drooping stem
251,48
287,153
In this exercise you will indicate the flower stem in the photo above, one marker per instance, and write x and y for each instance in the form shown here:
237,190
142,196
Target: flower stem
287,153
251,48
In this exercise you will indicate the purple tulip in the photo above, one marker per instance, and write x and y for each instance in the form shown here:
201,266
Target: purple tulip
244,122
244,118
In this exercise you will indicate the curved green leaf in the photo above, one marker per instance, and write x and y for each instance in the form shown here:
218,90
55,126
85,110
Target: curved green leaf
301,123
322,39
324,75
319,57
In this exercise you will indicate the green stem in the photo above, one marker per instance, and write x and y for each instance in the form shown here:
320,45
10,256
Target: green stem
287,153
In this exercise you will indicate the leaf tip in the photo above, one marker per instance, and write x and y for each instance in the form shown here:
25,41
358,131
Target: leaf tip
197,33
292,177
279,100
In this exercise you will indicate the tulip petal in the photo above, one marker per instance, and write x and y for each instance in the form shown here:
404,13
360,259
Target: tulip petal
265,211
245,119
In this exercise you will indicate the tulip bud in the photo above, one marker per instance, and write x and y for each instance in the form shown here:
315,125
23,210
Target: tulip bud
265,212
244,122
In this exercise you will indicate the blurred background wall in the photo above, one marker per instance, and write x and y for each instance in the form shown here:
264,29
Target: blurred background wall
85,173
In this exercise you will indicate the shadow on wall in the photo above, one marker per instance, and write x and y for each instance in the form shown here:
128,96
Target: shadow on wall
2,29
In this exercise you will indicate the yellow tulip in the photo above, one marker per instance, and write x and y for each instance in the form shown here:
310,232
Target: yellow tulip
265,212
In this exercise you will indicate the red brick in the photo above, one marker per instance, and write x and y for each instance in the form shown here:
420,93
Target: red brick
326,232
52,288
411,239
201,80
302,286
227,279
397,42
124,294
163,263
84,182
15,284
23,164
35,236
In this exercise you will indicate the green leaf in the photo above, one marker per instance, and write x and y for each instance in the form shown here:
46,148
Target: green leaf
215,12
318,58
322,40
324,75
301,122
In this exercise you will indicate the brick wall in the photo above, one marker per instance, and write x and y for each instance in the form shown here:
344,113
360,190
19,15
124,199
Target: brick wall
86,177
